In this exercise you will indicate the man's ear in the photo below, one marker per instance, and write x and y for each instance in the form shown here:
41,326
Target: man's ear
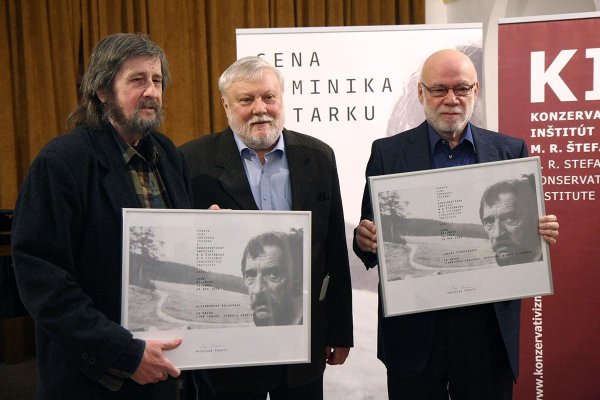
225,104
420,94
476,88
102,95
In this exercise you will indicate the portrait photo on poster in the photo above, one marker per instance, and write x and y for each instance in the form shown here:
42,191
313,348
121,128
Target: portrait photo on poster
453,236
227,278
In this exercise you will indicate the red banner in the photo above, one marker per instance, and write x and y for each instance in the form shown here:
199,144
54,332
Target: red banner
549,95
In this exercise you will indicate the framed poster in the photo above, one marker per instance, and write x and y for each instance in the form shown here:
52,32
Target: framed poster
235,285
462,235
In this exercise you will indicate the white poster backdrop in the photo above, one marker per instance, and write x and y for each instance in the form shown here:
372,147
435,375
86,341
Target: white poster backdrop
349,86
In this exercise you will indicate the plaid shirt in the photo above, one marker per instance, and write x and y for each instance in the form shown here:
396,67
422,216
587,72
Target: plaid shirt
142,163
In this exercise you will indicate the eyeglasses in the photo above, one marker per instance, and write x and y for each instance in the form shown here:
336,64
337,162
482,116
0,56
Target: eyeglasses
442,91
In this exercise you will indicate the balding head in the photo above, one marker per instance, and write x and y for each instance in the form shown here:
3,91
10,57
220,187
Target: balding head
448,64
448,114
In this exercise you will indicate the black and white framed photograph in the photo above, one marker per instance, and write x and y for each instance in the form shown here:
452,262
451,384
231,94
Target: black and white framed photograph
227,282
461,235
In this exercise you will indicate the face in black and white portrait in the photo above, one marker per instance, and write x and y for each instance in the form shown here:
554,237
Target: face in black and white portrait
272,272
509,216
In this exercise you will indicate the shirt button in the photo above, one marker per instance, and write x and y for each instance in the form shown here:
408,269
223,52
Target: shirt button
450,156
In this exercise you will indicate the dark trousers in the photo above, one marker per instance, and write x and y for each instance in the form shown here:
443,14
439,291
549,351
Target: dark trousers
468,360
312,391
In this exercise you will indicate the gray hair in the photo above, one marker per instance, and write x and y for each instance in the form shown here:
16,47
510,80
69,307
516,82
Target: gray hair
247,68
105,61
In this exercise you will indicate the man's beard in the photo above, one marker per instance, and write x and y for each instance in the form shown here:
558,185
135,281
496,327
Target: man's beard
257,142
441,126
134,125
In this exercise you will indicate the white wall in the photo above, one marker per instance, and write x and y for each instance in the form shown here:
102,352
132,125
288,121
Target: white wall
488,12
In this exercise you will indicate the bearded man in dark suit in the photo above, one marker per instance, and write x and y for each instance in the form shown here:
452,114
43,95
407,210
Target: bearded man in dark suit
466,352
257,164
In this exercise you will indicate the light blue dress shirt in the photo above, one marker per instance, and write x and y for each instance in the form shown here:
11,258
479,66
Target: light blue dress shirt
270,183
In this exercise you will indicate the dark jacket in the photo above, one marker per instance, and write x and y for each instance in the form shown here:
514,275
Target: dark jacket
218,177
67,257
404,342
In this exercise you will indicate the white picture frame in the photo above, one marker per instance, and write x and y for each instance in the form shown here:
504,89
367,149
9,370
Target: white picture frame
182,277
435,250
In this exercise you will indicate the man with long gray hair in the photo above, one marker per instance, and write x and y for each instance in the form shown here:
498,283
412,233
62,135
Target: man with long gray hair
67,228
